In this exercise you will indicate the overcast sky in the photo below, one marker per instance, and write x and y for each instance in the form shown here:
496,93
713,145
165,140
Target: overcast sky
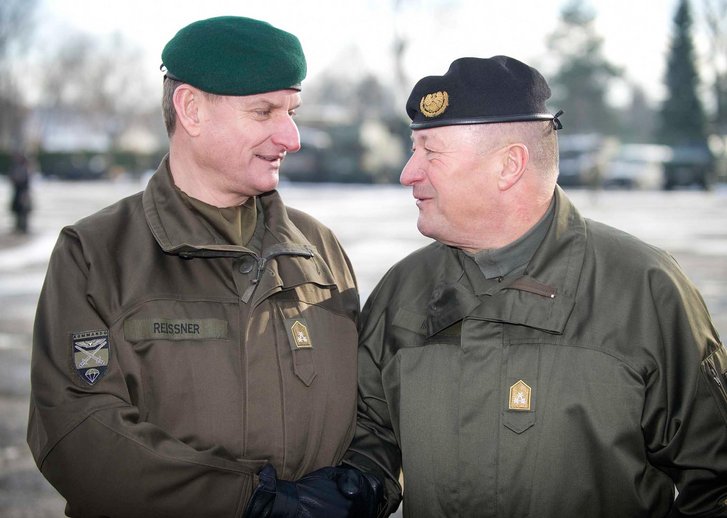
636,32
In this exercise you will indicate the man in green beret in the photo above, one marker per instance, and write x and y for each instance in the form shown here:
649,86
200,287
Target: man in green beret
195,344
531,362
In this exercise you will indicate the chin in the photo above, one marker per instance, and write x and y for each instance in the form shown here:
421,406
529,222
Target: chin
426,230
270,184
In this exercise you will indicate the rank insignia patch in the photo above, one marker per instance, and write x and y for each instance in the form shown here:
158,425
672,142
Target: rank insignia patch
298,333
520,394
91,354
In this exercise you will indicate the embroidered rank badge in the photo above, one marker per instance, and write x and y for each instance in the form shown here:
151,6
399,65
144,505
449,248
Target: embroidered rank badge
520,394
298,333
91,351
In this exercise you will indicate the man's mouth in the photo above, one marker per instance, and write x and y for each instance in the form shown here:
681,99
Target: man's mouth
420,199
273,158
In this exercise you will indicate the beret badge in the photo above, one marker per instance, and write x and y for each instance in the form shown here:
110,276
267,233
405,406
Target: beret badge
434,104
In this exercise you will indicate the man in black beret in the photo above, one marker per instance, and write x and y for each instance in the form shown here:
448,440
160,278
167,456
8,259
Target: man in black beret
531,362
195,345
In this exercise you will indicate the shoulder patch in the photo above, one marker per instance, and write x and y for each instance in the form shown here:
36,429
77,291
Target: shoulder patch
91,350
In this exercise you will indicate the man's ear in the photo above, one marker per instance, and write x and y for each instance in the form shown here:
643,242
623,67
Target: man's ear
515,161
187,105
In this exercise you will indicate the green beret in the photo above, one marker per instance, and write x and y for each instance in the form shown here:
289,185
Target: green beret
480,91
232,55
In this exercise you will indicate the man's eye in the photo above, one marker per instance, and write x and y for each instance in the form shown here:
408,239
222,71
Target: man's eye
261,112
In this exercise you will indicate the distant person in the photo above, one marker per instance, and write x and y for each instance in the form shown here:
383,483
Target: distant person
531,362
21,201
195,344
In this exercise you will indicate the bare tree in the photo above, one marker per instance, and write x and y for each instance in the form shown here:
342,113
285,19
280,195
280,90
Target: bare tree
100,81
16,24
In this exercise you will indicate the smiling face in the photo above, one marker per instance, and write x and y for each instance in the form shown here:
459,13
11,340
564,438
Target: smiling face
452,175
240,143
247,138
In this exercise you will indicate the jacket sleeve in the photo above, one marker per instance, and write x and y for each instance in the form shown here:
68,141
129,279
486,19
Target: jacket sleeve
88,439
685,413
374,448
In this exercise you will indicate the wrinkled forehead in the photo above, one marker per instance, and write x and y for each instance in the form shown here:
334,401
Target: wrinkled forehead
455,133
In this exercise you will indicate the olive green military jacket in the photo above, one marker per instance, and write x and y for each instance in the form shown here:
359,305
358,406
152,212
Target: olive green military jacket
588,387
169,366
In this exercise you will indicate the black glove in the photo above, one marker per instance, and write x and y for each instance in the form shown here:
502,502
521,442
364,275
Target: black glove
366,492
326,493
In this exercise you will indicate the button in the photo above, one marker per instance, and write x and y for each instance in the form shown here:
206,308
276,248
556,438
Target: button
247,264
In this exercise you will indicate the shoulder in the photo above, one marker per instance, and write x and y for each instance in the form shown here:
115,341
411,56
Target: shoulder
615,247
413,277
640,266
109,223
113,214
305,222
428,258
318,234
325,242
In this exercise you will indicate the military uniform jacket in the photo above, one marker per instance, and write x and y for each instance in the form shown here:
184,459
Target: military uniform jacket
588,387
168,366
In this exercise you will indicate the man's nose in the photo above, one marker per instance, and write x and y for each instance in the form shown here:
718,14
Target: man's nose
412,171
287,135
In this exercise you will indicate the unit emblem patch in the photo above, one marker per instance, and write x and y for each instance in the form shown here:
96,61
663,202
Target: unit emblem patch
91,351
520,394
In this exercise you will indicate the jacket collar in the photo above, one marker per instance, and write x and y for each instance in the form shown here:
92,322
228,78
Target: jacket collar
179,231
176,228
542,298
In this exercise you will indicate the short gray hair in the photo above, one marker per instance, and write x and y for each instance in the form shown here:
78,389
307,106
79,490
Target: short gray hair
168,112
540,137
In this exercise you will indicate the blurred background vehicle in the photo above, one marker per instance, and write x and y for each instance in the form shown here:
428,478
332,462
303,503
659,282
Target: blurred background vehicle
637,166
690,165
578,158
583,158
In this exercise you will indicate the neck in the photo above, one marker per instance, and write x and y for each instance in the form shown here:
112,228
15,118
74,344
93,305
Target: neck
188,176
514,223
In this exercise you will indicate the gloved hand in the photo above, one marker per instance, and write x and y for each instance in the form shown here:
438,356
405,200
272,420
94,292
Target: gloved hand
330,492
365,490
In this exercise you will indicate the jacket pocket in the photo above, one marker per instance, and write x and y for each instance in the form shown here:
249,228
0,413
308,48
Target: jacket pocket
714,368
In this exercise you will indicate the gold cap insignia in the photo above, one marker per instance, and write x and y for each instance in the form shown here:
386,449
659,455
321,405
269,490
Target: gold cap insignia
300,334
520,396
434,104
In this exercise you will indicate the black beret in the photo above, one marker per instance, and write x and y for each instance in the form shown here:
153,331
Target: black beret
480,91
232,55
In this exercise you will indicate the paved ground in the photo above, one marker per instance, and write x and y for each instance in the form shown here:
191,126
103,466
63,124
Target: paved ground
377,227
